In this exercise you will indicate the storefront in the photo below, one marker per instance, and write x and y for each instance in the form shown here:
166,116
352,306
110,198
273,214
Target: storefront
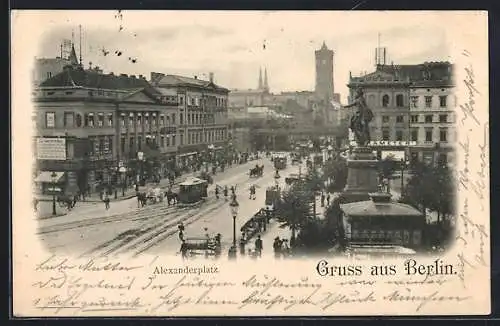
51,183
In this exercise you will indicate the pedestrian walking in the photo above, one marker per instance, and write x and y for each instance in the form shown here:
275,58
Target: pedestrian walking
322,199
226,192
328,199
258,246
277,247
243,242
106,201
184,250
217,191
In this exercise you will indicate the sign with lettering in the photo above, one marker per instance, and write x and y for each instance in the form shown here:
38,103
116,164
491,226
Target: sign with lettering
51,149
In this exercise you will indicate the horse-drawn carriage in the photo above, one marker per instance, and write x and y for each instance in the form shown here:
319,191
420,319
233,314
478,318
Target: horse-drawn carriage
192,191
207,246
257,171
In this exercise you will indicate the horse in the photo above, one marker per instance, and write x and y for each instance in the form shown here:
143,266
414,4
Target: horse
142,199
257,171
171,196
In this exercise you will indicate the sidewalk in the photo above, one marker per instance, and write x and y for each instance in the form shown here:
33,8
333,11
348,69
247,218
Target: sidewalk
95,203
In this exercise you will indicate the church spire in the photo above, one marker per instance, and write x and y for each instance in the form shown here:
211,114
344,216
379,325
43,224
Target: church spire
266,85
72,56
260,78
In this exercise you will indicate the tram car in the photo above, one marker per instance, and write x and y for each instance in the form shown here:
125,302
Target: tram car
207,246
192,191
280,162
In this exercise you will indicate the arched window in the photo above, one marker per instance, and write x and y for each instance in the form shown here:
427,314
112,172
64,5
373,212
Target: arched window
399,100
385,100
78,120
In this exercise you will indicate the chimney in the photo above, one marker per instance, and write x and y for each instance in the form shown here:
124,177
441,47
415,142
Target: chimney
195,77
141,76
123,75
132,76
211,77
111,74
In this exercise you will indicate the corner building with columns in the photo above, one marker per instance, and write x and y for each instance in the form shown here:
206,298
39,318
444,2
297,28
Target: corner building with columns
103,121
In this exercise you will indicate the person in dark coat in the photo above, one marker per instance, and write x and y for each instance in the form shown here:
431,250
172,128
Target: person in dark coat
277,247
258,246
184,250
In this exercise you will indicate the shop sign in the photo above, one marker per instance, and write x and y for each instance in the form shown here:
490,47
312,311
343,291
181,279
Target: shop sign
51,149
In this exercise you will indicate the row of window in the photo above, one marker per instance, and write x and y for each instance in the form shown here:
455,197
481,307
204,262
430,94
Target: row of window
72,120
196,137
428,101
429,132
428,118
138,144
197,101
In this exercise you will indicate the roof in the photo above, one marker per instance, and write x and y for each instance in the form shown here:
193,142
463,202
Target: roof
427,74
368,207
72,77
192,181
176,80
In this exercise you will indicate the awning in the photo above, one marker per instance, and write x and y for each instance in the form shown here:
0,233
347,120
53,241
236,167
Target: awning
46,176
123,114
188,154
131,114
100,113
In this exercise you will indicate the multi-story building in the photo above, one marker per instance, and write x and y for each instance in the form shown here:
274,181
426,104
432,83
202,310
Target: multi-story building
415,104
432,109
202,112
96,123
387,95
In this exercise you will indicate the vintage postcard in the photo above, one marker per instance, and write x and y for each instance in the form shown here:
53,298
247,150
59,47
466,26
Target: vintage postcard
250,163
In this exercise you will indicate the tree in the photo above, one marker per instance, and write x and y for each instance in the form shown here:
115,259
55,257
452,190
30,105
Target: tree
388,166
335,172
334,222
293,210
419,190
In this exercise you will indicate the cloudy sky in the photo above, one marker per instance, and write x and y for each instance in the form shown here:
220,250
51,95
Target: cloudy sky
231,44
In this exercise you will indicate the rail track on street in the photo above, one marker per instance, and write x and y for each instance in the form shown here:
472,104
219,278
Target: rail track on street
156,229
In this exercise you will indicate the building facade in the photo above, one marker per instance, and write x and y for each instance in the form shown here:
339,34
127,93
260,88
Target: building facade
102,121
433,121
414,104
387,95
202,113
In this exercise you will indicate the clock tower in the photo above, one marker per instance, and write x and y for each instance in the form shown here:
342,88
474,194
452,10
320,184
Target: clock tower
324,73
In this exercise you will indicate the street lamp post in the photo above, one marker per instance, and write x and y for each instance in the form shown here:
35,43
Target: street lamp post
276,178
234,206
54,180
122,170
404,163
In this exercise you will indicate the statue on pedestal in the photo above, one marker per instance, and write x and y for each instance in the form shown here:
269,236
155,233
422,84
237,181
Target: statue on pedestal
361,119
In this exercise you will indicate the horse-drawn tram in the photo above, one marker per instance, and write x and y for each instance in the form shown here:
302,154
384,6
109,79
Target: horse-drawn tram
192,191
207,246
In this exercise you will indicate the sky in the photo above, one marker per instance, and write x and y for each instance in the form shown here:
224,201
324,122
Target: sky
231,44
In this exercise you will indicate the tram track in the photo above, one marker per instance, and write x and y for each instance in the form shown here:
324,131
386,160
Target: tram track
156,228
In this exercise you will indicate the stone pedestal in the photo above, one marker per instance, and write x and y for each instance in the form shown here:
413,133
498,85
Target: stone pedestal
362,175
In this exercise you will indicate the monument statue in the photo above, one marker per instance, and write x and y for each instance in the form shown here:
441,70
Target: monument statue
361,119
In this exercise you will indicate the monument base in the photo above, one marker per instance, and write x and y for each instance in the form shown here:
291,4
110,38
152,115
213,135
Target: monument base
362,175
